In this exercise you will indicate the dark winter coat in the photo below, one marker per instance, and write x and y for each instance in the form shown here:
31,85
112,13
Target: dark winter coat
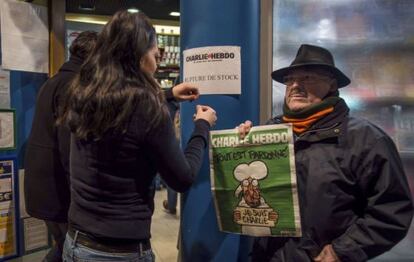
352,190
46,164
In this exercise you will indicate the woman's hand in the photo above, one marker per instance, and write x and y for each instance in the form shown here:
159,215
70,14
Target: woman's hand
244,128
207,113
185,92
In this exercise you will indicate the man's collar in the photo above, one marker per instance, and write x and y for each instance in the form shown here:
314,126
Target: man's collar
73,65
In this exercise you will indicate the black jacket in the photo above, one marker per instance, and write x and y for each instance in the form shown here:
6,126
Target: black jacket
352,191
111,178
46,183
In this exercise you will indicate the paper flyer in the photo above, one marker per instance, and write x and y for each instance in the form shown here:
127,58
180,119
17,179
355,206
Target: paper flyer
7,129
7,210
213,69
24,36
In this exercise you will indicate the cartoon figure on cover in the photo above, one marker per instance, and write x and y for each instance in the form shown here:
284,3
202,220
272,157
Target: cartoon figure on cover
254,215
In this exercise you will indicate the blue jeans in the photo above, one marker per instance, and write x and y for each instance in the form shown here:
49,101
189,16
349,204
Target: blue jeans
73,251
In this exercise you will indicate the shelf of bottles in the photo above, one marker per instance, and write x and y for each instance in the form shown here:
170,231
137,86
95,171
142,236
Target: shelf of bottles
169,65
169,46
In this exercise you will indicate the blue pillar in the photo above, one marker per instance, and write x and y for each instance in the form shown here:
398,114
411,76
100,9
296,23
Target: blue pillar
215,23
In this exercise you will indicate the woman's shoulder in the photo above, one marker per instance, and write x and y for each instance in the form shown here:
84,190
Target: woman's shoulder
145,118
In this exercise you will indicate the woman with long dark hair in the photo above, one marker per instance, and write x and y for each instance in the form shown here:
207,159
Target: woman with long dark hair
121,136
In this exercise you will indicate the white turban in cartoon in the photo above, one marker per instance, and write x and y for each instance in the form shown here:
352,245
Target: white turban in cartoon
248,176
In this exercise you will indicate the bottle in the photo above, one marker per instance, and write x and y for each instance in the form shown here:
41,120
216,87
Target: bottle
160,40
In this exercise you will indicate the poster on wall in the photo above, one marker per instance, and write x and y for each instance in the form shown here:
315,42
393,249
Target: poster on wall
253,181
24,36
33,231
8,242
7,129
35,234
4,88
213,69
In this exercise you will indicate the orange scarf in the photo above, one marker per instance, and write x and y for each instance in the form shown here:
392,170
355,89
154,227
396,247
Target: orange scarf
300,125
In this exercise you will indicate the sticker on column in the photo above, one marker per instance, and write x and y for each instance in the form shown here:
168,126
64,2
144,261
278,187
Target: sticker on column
213,69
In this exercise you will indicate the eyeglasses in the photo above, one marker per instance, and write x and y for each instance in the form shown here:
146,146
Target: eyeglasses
304,79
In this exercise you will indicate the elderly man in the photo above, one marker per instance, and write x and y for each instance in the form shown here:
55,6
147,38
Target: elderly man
354,198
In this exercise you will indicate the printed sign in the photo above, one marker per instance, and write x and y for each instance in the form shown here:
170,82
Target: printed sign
213,69
7,129
253,181
24,36
7,209
4,88
35,234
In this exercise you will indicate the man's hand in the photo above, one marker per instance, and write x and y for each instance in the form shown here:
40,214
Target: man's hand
185,92
244,128
327,255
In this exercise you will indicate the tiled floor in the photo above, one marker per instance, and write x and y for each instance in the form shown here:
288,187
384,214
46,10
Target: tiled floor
164,235
164,231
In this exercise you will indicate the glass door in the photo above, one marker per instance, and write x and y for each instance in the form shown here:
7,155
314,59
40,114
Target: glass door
372,42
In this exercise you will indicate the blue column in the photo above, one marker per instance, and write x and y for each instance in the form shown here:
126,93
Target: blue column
215,23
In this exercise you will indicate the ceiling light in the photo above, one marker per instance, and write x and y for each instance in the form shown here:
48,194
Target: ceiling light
133,10
175,14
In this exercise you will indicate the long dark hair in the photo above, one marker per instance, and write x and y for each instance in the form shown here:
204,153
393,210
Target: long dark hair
111,86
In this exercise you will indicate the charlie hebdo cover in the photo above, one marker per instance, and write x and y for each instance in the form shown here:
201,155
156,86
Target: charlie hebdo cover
253,181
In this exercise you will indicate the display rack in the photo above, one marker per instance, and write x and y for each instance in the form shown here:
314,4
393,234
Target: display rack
169,65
